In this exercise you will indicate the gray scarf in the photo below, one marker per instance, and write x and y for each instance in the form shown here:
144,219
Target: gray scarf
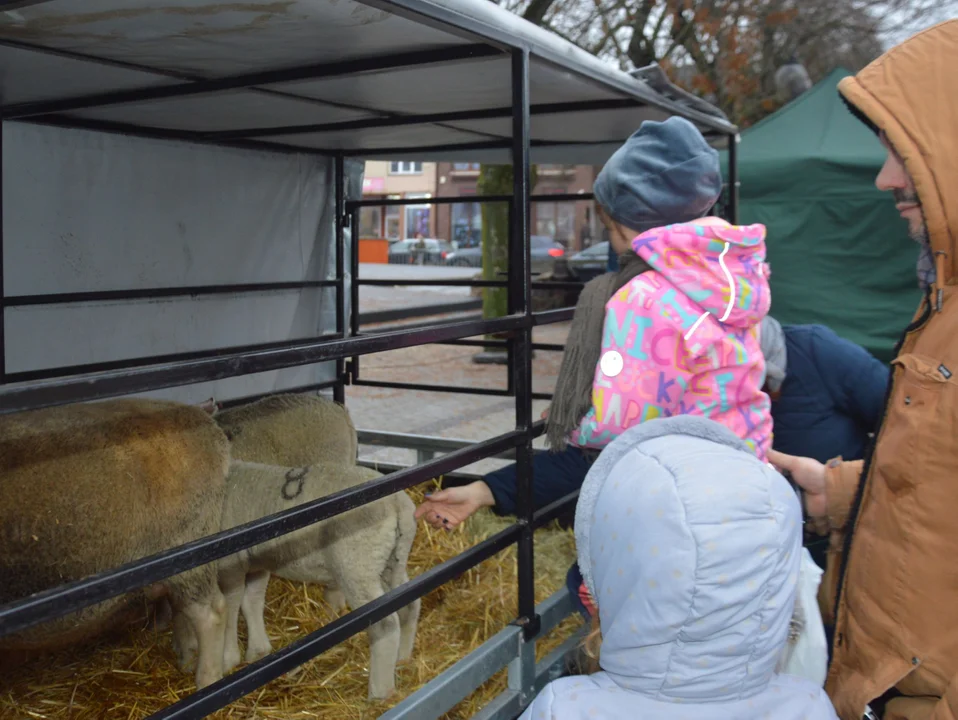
572,398
772,339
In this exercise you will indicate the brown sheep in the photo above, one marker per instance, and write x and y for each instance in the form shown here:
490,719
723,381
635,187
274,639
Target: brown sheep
85,488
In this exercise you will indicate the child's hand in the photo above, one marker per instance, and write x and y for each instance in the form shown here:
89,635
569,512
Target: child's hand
810,476
448,508
545,414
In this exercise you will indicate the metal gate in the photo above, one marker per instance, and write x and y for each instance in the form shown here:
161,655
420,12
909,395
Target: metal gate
514,645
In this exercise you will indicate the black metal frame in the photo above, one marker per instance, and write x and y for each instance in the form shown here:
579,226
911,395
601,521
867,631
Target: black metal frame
24,391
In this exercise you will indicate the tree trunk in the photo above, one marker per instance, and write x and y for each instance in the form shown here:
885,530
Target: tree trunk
495,180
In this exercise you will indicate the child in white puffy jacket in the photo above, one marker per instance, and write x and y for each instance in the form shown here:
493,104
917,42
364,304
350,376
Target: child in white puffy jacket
691,548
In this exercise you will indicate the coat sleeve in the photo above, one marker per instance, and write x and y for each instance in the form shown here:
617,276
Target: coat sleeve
541,707
856,380
841,483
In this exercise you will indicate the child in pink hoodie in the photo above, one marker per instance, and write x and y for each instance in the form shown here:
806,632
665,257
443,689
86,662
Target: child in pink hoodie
683,338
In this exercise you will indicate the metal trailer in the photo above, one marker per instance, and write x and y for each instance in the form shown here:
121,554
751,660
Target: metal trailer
419,79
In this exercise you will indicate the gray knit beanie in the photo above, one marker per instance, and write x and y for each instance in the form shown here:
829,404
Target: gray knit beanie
664,173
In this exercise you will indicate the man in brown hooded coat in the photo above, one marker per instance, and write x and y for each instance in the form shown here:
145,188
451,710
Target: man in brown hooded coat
892,578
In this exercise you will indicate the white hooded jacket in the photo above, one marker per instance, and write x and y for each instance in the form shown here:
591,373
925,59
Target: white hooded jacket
691,547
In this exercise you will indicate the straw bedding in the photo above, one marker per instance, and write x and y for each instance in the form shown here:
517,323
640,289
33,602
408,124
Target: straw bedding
133,674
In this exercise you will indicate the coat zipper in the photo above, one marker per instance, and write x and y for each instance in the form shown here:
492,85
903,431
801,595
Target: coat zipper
866,466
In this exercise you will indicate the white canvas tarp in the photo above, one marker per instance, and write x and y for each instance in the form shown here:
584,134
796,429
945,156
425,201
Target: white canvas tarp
87,211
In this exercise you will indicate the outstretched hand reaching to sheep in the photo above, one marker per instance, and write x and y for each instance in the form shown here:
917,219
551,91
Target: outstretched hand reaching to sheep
451,507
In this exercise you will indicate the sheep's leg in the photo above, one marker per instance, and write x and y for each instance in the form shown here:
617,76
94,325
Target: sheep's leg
254,605
408,622
208,619
233,585
184,643
335,598
362,585
396,573
163,615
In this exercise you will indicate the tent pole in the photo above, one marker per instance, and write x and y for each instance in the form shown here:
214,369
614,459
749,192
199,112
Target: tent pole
733,179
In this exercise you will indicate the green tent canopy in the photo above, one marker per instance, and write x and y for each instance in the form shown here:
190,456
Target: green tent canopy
839,253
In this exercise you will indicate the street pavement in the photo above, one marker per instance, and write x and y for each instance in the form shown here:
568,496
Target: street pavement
451,415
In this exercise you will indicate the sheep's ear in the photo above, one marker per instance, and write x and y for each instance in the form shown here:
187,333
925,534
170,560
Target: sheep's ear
209,405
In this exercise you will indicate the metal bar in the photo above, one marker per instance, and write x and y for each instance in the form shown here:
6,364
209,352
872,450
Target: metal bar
6,5
94,386
242,682
339,172
562,197
34,376
424,119
62,600
546,347
554,609
544,516
417,150
178,75
457,478
459,200
342,68
160,293
462,389
3,296
451,19
392,315
462,199
426,324
247,399
733,179
446,690
438,282
520,296
550,317
417,442
475,343
354,317
522,670
553,666
557,285
505,706
121,128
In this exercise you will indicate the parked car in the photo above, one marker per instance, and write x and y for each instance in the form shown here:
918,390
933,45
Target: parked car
589,263
408,252
543,253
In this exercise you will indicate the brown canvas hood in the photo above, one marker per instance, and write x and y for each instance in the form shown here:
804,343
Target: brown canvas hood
911,92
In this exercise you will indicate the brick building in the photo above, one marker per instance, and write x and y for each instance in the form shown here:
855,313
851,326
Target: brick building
398,180
571,223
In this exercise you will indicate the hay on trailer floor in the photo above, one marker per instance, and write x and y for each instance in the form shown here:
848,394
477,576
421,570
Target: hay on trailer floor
133,675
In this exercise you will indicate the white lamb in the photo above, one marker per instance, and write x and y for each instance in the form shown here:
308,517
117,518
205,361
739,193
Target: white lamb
362,553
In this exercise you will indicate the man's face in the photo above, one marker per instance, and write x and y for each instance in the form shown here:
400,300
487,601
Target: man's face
894,178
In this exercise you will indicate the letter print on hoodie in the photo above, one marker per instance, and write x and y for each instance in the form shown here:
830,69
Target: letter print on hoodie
683,338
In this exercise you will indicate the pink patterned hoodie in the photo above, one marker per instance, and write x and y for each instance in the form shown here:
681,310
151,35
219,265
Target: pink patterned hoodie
683,338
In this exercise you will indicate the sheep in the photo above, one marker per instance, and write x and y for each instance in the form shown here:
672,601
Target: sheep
362,552
291,430
88,487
